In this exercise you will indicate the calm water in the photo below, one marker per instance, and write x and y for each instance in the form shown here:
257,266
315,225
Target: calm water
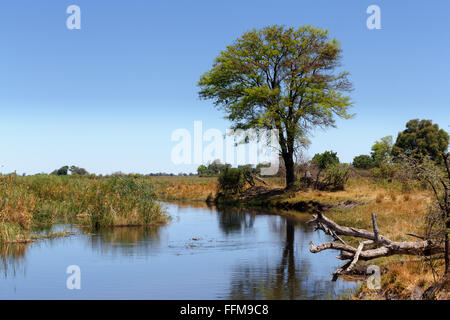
203,253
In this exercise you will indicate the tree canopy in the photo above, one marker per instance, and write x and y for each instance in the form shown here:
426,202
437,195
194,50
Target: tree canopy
280,78
326,159
422,138
363,161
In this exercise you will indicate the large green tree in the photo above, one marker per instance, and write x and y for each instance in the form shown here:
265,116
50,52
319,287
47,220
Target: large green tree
280,78
422,138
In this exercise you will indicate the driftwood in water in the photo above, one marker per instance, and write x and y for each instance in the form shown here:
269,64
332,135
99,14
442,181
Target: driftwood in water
375,245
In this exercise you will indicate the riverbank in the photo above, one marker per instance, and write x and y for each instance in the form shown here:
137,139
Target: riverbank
399,212
98,202
27,203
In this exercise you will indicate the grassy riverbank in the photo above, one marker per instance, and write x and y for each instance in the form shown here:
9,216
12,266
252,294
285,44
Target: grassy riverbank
29,202
399,212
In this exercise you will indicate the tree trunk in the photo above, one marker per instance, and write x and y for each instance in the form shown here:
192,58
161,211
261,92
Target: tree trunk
447,244
290,174
447,214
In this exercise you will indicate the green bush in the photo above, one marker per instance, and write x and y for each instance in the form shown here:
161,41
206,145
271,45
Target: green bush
323,160
336,176
363,162
385,171
231,181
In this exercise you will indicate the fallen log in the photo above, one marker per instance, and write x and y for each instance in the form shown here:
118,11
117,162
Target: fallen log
378,245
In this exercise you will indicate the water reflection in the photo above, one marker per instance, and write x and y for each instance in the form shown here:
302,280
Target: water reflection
282,279
235,220
126,241
203,253
12,258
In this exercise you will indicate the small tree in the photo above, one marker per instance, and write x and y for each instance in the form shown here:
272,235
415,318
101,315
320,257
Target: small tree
363,161
381,150
63,171
202,170
78,171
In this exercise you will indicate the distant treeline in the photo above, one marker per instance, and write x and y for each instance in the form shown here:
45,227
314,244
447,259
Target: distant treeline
77,171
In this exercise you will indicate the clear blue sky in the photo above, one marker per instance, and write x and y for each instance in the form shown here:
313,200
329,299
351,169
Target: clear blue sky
107,97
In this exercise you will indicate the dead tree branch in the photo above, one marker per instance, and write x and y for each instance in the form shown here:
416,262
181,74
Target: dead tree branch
380,246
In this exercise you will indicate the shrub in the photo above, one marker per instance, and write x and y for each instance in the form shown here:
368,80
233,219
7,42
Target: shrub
231,181
385,171
322,161
336,176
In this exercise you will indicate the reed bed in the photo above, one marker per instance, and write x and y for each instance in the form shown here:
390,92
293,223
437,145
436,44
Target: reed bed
97,202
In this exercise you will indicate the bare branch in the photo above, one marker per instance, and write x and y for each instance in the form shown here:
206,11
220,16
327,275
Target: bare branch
386,247
416,235
376,232
357,254
320,219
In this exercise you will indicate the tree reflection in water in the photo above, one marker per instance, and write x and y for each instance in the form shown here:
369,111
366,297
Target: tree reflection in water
285,279
234,220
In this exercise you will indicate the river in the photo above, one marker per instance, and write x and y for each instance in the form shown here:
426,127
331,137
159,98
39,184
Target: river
203,253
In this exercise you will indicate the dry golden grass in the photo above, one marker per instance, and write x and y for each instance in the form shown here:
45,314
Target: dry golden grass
404,278
395,218
398,213
184,188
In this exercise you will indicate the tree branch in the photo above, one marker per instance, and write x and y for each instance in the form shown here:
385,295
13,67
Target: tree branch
386,247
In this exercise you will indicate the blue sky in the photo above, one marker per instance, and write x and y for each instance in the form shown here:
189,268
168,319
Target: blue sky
107,97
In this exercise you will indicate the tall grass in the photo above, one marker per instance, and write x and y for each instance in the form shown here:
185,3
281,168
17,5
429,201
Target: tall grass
28,202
